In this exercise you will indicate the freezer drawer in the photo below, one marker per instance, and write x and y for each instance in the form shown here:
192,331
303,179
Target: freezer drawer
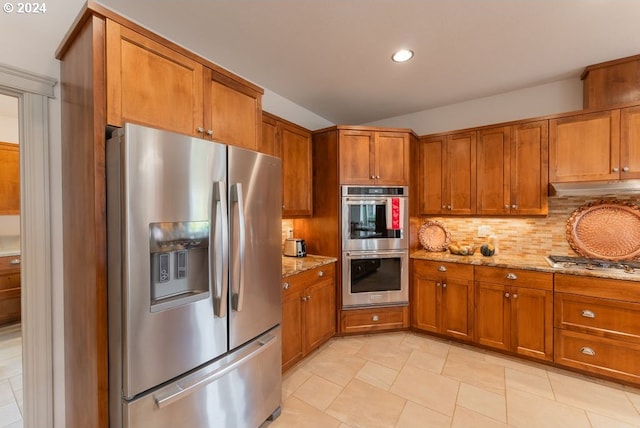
240,390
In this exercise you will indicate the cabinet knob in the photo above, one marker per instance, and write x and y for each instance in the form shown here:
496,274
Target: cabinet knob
506,207
507,295
588,351
616,169
200,130
444,207
438,284
511,276
449,207
444,285
209,132
285,285
515,295
309,297
375,318
587,313
321,273
373,177
377,177
514,206
442,268
304,298
625,169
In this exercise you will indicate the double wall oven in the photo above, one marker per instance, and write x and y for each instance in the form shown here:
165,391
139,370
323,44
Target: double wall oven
375,242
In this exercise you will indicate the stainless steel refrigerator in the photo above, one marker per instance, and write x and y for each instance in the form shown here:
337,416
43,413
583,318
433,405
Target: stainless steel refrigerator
194,270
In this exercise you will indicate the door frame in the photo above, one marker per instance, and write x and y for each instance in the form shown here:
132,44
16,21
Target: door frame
33,92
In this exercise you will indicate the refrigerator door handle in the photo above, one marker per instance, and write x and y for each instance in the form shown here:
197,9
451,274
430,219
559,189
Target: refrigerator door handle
220,251
188,386
238,292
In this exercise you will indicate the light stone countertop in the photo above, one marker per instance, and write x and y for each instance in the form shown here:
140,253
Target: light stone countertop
294,265
521,261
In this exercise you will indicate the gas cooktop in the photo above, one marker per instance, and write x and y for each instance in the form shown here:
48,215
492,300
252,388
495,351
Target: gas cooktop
569,262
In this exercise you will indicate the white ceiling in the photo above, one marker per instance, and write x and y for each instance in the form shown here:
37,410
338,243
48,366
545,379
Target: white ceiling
333,56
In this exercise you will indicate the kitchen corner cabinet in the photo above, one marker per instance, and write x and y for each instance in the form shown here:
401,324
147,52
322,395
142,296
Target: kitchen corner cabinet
597,326
292,143
630,143
442,298
9,179
514,310
150,83
9,289
448,174
512,169
370,157
308,312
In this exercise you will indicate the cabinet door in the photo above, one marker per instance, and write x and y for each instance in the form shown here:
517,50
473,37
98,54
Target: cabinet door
150,84
269,143
292,327
532,323
457,309
426,303
320,313
630,143
585,147
431,175
9,179
392,158
356,157
234,115
296,171
493,171
460,174
492,316
529,158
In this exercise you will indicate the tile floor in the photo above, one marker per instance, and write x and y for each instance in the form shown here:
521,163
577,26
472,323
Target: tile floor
407,380
11,376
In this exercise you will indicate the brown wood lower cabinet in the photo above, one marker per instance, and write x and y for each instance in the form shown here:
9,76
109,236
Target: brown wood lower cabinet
514,310
308,312
597,326
374,319
9,289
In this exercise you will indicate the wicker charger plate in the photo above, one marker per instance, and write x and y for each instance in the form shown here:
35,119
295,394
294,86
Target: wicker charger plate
434,236
607,230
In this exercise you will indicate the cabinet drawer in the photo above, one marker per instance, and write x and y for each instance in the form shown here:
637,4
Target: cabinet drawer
614,289
601,317
299,281
9,305
453,271
10,264
366,320
598,355
515,277
8,282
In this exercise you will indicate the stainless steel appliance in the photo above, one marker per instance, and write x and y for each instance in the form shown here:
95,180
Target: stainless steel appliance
574,263
375,218
294,247
193,283
371,278
375,242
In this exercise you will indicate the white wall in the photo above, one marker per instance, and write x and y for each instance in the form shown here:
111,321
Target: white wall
286,109
556,97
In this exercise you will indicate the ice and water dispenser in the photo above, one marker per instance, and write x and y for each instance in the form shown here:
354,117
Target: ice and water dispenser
179,263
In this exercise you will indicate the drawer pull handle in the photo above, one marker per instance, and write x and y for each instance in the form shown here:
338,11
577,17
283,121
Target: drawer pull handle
285,285
588,351
321,273
587,313
375,318
442,268
511,276
14,262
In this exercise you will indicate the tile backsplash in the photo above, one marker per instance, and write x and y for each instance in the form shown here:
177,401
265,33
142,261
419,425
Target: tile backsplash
530,235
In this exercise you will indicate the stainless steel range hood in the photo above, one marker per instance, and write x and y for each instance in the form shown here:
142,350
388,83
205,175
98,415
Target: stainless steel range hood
595,188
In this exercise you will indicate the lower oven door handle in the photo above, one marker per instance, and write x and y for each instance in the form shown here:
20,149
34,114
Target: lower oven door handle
376,254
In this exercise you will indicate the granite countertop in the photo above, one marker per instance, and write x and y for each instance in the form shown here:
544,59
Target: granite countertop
521,261
294,265
9,253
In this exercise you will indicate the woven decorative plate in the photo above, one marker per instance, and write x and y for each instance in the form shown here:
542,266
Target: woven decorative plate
434,236
607,230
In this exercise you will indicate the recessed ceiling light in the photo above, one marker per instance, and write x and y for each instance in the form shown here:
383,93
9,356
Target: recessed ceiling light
402,55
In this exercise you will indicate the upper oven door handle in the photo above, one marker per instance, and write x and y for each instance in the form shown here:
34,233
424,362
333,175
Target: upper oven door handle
375,254
356,201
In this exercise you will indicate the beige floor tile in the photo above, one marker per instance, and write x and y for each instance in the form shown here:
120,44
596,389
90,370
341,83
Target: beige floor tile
465,418
472,369
600,421
515,363
362,405
425,360
293,379
531,411
349,345
601,399
296,413
431,390
416,416
429,344
634,396
318,392
335,366
388,354
482,401
17,424
527,382
467,352
6,393
10,413
377,375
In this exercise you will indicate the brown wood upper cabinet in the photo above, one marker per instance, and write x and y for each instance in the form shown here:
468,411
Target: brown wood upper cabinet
292,143
374,157
447,183
9,179
152,84
512,169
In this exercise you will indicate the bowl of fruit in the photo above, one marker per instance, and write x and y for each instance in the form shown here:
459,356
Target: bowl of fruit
462,249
